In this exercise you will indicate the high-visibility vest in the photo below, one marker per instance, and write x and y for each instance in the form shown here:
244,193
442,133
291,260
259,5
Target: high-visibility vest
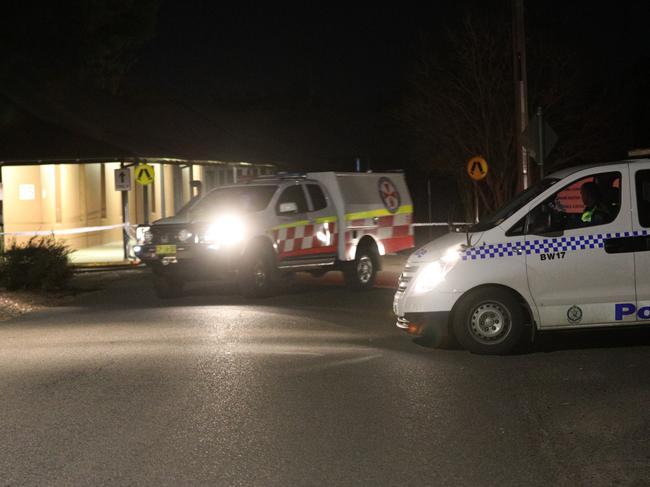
587,214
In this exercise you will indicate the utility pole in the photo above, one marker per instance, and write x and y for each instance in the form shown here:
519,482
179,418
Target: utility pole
540,141
521,91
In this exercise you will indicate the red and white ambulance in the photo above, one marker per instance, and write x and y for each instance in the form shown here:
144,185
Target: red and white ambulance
252,233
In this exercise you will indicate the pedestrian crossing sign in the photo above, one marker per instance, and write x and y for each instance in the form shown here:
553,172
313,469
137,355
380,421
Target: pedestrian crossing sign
477,168
144,174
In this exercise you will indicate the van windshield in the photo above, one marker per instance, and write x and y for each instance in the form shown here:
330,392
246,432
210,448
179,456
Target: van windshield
513,205
241,199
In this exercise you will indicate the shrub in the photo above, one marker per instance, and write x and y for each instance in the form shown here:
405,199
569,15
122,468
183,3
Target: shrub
41,263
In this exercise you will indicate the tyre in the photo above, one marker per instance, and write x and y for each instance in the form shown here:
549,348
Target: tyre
361,273
489,321
166,287
258,275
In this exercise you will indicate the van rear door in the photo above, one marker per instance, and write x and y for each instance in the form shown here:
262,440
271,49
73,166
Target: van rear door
640,177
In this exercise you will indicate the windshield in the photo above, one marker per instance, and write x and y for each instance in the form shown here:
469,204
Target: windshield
513,205
242,199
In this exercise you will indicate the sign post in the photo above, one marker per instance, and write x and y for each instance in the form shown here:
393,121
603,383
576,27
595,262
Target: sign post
540,139
125,171
477,169
144,174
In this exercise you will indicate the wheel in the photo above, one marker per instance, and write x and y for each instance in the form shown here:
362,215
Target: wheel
258,274
489,321
361,273
166,287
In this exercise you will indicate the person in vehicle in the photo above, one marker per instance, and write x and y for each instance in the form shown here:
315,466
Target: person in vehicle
595,212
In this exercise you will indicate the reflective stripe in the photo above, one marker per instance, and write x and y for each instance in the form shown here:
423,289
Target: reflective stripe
382,212
536,246
586,216
292,224
324,219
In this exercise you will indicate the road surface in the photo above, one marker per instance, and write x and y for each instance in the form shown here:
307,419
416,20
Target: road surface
312,387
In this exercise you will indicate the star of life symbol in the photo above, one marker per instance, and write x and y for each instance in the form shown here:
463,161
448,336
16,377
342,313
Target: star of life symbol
389,195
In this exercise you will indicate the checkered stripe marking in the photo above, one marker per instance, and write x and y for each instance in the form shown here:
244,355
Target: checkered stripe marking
546,245
393,231
292,240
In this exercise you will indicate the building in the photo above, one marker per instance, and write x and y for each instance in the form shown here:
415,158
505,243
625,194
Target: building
78,202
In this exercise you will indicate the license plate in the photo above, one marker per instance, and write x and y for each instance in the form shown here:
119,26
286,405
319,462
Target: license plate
165,249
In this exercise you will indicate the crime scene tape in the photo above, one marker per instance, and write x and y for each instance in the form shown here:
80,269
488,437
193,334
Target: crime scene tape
439,224
67,231
74,231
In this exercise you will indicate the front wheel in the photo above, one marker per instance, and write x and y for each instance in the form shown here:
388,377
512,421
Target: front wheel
258,275
489,321
361,273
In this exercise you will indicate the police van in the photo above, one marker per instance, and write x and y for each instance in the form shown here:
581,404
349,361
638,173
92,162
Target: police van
253,233
572,251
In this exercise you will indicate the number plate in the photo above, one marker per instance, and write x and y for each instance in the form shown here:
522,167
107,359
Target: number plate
165,249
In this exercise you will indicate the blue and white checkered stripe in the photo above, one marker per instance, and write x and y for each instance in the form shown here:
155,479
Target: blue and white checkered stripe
545,245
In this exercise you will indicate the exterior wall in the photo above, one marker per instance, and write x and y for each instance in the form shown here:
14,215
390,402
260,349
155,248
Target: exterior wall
65,196
68,196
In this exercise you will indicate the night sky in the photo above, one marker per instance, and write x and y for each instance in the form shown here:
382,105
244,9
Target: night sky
306,86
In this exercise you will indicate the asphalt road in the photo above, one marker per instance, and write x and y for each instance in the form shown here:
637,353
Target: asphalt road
313,387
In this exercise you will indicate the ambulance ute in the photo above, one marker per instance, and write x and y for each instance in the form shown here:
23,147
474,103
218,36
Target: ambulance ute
253,233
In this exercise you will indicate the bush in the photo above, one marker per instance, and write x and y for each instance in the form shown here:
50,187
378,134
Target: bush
41,263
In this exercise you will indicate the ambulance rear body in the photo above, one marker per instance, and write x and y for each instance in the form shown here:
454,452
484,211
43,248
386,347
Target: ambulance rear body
535,264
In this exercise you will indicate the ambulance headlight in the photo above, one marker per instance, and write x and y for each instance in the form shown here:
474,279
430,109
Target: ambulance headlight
226,230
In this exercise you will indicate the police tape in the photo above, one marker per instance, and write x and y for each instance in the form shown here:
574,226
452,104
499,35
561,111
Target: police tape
74,231
440,224
67,231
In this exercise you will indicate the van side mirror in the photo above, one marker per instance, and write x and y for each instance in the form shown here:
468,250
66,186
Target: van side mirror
288,208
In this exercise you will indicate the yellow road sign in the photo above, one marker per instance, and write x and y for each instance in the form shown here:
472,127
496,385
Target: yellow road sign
477,168
144,174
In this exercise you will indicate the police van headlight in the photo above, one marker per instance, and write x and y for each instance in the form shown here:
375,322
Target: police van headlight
226,230
433,273
429,277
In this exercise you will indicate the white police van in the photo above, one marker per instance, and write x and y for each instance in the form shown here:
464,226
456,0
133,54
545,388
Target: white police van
572,251
252,233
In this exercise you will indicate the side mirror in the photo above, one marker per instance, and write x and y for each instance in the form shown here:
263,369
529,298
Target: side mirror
289,207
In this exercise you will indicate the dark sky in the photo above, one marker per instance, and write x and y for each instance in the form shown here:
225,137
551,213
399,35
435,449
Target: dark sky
317,85
342,72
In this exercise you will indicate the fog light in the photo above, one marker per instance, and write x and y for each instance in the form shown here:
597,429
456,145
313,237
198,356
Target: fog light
413,329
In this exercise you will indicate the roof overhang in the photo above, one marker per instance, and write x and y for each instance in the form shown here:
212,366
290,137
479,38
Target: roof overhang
133,160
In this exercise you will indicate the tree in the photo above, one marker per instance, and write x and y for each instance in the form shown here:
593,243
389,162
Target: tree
461,105
56,44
